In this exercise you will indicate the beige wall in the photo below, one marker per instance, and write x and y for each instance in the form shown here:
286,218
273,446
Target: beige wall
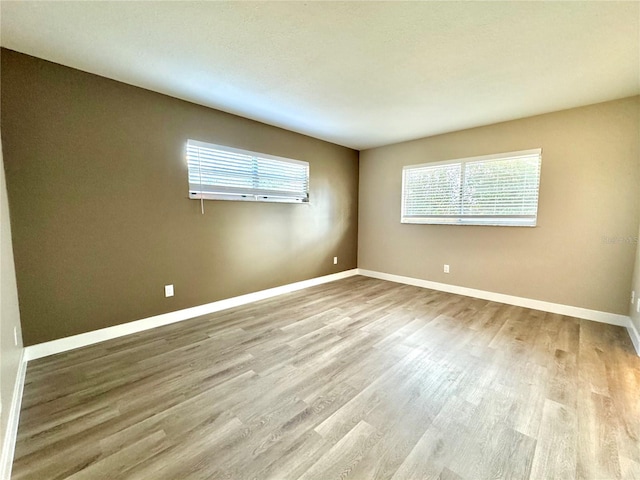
100,211
10,353
589,190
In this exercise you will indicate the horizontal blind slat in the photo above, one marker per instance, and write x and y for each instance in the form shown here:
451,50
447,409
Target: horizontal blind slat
218,169
503,188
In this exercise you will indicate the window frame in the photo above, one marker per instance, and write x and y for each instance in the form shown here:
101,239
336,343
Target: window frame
238,193
467,219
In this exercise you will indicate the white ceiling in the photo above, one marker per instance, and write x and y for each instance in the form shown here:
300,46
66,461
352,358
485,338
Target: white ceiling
360,74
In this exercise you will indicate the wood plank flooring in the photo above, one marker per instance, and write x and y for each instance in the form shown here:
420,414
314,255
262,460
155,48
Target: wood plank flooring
359,378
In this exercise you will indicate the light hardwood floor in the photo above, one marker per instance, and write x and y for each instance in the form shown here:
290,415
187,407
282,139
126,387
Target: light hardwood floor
359,378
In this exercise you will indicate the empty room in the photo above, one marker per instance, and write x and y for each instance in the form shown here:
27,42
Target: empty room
319,240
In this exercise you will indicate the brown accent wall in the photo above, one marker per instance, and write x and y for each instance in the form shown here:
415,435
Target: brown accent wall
589,205
101,218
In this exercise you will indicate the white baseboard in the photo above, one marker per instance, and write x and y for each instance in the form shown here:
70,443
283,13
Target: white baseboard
578,312
82,340
635,335
10,435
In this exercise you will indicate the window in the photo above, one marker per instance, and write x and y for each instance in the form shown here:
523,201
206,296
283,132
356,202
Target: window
223,173
490,190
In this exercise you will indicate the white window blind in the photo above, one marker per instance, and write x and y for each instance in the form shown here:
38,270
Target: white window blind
490,190
218,172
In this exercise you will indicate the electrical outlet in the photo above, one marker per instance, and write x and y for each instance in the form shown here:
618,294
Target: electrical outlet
15,336
168,290
335,260
446,269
